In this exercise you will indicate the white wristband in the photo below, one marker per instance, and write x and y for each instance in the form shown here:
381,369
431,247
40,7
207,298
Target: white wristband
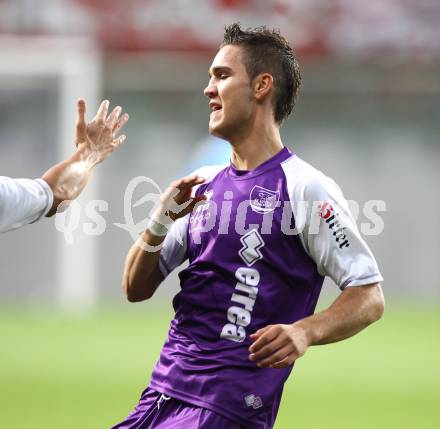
156,228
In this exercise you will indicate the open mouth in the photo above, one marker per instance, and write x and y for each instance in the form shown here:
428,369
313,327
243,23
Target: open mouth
215,107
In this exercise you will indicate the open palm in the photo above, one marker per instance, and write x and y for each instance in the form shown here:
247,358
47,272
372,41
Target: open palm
100,133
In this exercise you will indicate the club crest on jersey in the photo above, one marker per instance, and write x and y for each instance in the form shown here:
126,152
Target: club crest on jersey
263,200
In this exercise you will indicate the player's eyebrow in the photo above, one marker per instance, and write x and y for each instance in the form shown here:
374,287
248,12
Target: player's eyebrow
218,70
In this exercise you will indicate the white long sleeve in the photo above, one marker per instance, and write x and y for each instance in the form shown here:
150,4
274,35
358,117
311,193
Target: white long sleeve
23,201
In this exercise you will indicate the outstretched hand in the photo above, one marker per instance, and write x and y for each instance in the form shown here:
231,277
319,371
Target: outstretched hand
99,135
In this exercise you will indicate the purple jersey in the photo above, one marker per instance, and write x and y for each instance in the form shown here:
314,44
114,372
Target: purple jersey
258,251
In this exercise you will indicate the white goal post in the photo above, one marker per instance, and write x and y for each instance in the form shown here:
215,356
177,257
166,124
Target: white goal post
74,64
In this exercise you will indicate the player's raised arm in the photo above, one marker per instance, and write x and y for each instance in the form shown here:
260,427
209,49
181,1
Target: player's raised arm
24,201
142,273
95,141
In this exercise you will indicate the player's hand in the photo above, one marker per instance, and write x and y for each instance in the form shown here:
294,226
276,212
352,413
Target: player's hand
278,346
177,200
99,135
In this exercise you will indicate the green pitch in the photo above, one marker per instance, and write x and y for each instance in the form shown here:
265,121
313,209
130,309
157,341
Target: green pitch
65,372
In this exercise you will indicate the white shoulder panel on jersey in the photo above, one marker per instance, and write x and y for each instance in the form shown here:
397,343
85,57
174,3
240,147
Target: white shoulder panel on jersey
326,226
208,172
23,201
174,249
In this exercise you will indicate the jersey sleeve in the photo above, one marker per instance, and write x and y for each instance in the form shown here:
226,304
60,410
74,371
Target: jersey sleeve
23,201
330,235
174,249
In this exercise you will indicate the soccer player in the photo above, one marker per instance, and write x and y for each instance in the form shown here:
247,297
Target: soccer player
260,235
24,201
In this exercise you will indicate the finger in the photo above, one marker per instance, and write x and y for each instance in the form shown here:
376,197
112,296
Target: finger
200,198
192,182
180,191
288,360
261,331
118,141
80,120
102,112
120,123
188,182
275,357
186,207
268,349
178,210
265,338
191,205
188,179
112,118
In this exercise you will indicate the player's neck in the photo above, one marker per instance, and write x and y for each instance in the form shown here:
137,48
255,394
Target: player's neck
257,147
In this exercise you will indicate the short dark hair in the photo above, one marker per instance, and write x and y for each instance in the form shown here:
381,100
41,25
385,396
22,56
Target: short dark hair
266,51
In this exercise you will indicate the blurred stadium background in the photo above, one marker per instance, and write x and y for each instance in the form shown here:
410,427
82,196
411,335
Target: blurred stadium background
73,353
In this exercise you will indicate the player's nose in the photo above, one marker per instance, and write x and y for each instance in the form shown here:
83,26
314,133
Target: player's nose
210,91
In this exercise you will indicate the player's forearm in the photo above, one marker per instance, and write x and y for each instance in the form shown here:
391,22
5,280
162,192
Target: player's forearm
141,272
352,311
68,178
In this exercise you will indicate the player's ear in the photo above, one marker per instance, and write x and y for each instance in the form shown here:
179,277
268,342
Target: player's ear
263,84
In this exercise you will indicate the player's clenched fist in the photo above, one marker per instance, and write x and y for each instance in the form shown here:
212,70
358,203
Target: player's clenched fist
177,201
278,346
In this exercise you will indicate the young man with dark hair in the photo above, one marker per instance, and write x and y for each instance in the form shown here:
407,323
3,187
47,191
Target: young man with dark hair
260,235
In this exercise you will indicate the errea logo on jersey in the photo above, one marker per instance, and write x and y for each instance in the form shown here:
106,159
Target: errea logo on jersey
240,316
252,243
246,290
331,218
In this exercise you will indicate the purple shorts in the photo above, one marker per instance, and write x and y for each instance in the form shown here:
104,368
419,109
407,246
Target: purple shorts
158,411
